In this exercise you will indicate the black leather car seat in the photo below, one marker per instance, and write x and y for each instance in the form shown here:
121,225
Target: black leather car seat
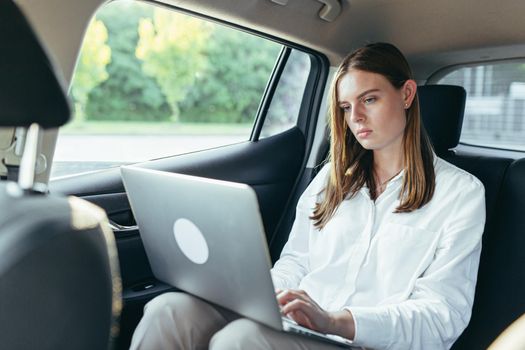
59,278
500,289
442,110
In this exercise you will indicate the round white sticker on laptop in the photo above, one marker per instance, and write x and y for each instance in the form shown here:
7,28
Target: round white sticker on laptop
191,241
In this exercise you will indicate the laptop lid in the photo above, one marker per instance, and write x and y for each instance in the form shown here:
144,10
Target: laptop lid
205,237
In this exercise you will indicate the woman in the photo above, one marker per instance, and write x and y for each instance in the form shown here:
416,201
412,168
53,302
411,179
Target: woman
386,242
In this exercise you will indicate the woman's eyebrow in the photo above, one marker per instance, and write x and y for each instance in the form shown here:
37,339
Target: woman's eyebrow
360,95
366,92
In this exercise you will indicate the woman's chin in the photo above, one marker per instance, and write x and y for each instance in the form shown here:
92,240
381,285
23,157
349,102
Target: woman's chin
369,146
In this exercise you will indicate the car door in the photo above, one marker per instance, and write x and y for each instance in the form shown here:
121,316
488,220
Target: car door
271,157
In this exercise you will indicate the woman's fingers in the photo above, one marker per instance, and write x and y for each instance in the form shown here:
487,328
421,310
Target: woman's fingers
287,295
298,305
295,305
301,318
302,312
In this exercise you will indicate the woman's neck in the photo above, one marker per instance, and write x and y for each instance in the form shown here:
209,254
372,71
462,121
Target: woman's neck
387,164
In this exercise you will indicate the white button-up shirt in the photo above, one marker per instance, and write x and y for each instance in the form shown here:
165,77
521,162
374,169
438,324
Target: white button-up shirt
407,278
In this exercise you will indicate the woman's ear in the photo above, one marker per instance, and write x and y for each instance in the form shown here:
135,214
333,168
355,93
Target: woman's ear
409,92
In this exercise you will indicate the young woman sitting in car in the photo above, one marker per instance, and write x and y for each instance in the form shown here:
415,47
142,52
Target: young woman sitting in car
385,246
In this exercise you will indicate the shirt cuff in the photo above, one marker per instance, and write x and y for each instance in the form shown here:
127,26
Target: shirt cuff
368,331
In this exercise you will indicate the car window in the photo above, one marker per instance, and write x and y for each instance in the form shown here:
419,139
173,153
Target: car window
151,83
286,102
495,106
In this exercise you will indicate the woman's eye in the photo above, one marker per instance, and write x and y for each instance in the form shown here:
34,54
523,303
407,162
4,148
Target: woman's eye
346,109
369,100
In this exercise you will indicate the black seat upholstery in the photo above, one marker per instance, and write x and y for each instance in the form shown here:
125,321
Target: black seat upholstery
442,109
29,86
500,291
59,280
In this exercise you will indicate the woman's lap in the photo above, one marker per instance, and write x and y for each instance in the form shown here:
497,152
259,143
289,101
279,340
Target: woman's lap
181,321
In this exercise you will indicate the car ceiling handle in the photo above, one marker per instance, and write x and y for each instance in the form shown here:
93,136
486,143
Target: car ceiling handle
330,10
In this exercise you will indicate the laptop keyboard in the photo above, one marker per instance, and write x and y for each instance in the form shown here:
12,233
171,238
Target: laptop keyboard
290,325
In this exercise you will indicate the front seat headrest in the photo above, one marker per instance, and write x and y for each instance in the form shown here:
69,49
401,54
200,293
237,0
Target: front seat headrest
29,89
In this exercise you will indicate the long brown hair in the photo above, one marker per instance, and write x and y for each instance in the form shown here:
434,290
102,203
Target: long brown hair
351,164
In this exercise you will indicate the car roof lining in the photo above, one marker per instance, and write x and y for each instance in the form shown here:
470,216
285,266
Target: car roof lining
432,34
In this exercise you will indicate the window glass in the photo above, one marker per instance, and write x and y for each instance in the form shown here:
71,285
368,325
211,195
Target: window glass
495,106
286,102
151,83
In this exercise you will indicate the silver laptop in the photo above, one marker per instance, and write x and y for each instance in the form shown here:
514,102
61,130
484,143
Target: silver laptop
206,237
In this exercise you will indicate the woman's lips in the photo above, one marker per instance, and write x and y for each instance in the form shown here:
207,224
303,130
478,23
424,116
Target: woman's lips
364,133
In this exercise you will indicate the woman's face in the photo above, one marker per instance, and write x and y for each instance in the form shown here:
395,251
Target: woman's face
374,109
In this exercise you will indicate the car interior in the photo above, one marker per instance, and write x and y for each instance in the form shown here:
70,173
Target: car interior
64,284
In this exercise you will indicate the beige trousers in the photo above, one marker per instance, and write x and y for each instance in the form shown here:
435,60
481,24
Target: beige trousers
181,321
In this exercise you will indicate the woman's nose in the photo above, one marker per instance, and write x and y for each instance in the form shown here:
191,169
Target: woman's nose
357,115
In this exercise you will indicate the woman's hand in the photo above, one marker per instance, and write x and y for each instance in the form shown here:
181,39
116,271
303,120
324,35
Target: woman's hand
298,305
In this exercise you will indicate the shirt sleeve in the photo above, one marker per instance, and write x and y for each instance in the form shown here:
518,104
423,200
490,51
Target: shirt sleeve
440,305
293,264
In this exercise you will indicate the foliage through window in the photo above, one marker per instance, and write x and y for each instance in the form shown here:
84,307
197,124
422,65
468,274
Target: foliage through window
495,106
151,83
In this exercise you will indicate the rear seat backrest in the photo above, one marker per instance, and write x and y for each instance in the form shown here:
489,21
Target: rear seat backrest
442,108
500,291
